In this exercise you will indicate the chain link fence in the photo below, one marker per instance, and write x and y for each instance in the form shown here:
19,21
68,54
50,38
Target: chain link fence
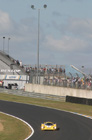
57,76
62,80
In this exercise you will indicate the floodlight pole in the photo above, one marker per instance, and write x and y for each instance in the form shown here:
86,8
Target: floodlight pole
32,6
8,44
3,43
38,46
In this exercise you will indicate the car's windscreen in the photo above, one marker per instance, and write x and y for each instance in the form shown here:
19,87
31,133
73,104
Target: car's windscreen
49,124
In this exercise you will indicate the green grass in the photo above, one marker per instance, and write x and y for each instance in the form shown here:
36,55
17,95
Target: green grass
13,129
19,134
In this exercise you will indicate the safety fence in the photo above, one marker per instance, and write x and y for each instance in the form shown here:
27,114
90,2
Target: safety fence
61,80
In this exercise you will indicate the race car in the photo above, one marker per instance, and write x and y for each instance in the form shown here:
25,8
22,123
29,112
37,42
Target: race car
48,126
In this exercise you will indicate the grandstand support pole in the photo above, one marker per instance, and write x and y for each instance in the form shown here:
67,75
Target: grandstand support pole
3,43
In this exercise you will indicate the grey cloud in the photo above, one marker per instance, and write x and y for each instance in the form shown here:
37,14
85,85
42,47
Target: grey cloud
56,14
75,27
80,27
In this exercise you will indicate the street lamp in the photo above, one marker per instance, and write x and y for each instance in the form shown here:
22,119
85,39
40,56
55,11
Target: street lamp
8,44
33,7
3,43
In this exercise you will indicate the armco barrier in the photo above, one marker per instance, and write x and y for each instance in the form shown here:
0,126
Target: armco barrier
78,100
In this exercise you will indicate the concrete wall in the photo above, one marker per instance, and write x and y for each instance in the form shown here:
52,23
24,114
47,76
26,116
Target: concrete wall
61,91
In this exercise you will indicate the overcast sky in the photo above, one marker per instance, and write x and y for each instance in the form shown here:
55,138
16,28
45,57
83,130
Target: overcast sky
65,31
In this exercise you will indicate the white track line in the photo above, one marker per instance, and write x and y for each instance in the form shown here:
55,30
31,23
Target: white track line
23,122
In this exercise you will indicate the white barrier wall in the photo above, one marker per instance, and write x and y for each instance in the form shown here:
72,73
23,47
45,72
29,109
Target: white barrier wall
12,79
61,91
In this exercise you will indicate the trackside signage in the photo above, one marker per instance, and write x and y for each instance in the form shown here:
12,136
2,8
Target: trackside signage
16,77
9,70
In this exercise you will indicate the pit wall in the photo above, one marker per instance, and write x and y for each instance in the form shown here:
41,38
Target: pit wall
60,91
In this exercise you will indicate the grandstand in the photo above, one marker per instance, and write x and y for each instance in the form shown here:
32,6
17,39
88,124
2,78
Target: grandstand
11,72
8,65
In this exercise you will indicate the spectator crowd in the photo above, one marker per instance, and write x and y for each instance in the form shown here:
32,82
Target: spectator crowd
45,70
56,76
74,82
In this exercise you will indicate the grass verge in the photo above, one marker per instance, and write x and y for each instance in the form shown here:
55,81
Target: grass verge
12,129
79,108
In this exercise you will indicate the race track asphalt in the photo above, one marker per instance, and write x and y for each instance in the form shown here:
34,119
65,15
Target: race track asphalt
70,126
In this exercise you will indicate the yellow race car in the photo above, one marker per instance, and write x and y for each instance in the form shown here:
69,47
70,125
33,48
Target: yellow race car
48,126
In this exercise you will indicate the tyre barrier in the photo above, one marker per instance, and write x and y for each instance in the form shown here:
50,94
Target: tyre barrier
78,100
